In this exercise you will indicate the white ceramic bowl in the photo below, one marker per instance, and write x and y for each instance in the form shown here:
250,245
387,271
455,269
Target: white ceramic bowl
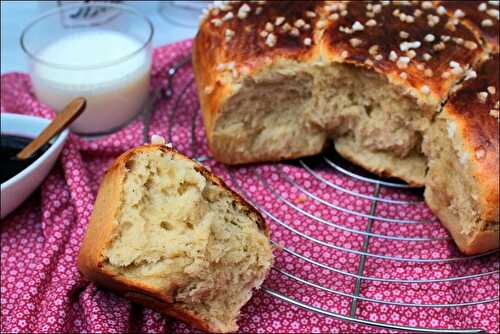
16,189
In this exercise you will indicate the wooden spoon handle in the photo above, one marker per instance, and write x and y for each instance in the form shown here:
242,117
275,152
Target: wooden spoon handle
62,120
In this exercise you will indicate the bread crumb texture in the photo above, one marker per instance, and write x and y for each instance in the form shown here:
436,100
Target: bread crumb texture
320,102
178,231
451,189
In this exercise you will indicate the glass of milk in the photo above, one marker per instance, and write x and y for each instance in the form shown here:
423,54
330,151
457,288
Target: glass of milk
100,51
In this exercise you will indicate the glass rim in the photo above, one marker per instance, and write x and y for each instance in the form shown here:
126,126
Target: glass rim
59,10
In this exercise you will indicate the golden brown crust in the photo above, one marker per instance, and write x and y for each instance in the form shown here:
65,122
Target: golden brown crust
479,16
409,33
167,309
91,261
477,124
247,46
100,225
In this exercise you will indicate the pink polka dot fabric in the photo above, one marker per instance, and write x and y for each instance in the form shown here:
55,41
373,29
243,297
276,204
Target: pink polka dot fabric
334,241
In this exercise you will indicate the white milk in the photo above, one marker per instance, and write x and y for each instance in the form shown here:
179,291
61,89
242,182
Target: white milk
115,92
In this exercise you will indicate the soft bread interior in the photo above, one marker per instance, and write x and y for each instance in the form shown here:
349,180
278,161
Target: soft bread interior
373,122
291,110
450,188
263,119
411,168
180,233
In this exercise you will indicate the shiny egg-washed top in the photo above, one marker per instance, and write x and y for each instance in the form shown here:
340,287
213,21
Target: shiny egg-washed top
421,46
479,16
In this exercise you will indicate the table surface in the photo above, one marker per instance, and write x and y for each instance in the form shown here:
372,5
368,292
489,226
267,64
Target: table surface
15,15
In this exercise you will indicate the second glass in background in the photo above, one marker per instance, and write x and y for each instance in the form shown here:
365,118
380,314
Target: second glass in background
183,13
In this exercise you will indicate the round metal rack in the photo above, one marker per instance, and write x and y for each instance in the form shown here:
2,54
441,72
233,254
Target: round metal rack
378,244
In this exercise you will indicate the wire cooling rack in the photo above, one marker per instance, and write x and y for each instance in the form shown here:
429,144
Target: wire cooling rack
376,236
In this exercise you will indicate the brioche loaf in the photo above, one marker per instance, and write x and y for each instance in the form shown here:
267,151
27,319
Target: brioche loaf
279,79
167,233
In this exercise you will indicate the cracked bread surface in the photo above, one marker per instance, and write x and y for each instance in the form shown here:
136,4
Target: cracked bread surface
177,239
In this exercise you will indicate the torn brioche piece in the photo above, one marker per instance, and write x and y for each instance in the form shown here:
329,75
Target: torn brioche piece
167,233
462,184
288,76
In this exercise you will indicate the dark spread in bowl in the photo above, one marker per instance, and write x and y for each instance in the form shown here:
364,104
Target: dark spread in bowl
9,164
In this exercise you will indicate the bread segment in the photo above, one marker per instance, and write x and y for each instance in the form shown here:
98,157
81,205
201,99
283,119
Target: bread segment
462,185
175,238
375,72
282,79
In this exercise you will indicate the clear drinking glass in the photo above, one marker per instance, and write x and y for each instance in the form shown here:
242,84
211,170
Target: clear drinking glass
183,13
99,51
